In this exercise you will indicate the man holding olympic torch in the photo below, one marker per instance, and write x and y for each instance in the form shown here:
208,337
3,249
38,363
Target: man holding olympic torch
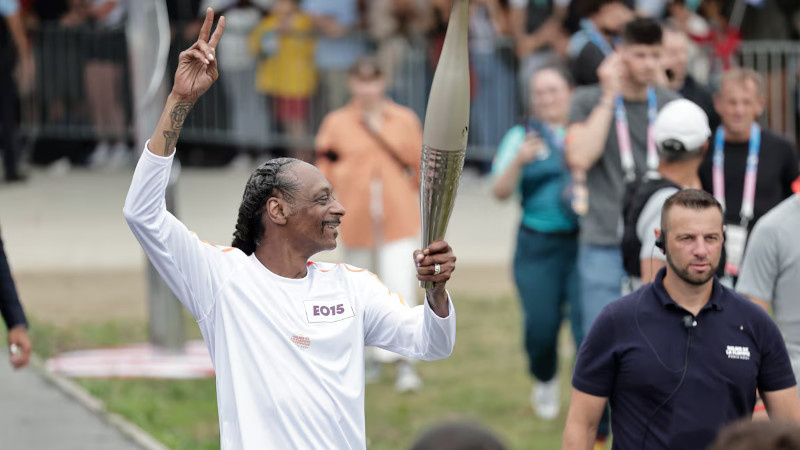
286,334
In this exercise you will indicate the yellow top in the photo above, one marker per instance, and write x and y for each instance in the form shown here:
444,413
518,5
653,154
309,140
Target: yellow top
286,60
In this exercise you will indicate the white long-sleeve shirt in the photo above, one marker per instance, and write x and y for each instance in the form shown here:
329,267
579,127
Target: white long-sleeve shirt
288,353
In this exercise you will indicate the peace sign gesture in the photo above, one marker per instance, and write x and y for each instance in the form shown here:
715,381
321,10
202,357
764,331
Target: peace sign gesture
197,65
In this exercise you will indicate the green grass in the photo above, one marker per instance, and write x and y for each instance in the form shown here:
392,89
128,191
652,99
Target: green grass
180,414
485,380
49,341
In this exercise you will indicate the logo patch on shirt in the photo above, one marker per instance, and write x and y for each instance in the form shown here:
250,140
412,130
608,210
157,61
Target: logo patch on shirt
737,352
326,311
302,342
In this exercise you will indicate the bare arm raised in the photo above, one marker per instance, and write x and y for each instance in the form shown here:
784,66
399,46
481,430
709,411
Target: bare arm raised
587,139
197,71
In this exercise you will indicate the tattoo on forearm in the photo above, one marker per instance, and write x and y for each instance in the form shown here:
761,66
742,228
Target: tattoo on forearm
170,139
179,113
177,117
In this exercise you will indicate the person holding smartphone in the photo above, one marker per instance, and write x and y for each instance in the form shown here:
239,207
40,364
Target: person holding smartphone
530,162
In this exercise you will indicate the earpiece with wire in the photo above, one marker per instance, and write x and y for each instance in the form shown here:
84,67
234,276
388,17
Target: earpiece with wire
660,243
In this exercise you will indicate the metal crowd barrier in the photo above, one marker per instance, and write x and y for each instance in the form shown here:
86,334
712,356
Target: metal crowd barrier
59,107
233,113
779,62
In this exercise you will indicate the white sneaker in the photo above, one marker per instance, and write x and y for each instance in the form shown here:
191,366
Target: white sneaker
545,398
241,163
119,157
59,167
100,155
407,378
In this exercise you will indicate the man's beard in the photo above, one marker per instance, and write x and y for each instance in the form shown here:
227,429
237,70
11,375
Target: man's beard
697,280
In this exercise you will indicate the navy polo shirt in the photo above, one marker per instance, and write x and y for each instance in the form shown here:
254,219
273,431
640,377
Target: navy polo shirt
635,351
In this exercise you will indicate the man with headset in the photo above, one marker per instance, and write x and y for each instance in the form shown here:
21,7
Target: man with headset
681,132
683,356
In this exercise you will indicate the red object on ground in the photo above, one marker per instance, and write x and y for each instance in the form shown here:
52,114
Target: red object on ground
135,361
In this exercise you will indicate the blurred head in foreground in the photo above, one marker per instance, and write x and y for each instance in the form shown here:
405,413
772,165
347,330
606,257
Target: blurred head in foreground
760,435
458,436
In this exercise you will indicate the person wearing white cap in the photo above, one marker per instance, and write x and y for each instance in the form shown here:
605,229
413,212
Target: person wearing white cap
681,133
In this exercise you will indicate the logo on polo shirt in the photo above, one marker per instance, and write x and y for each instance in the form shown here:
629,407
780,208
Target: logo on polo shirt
302,342
737,352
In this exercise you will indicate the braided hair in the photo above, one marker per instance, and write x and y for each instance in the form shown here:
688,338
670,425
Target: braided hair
267,181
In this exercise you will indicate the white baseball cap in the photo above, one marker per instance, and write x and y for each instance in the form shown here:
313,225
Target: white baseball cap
681,126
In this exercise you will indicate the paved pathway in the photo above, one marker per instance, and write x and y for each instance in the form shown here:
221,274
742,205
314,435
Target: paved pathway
74,223
36,415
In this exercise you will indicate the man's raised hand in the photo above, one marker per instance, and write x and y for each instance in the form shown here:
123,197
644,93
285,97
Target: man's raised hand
197,71
197,65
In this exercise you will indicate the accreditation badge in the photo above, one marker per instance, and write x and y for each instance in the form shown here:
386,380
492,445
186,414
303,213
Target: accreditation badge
735,240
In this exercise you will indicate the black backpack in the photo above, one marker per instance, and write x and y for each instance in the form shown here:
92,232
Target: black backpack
633,202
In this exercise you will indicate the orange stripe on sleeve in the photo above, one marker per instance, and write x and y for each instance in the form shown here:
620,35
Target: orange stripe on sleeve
346,266
352,269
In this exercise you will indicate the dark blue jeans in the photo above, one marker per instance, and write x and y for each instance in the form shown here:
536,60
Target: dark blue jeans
545,271
602,274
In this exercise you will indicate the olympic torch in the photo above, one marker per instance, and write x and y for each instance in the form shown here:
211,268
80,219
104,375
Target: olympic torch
444,138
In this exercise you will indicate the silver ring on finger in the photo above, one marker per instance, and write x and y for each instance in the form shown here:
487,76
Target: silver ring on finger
437,269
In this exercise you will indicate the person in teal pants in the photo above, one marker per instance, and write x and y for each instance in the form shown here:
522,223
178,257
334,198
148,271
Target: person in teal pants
530,162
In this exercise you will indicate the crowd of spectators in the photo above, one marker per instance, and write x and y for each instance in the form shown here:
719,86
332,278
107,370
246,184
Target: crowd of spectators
579,159
285,62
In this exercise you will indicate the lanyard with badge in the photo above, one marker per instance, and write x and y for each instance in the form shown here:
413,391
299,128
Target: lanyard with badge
736,235
621,118
626,150
624,136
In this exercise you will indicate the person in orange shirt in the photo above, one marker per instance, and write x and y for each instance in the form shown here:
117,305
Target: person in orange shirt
371,147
